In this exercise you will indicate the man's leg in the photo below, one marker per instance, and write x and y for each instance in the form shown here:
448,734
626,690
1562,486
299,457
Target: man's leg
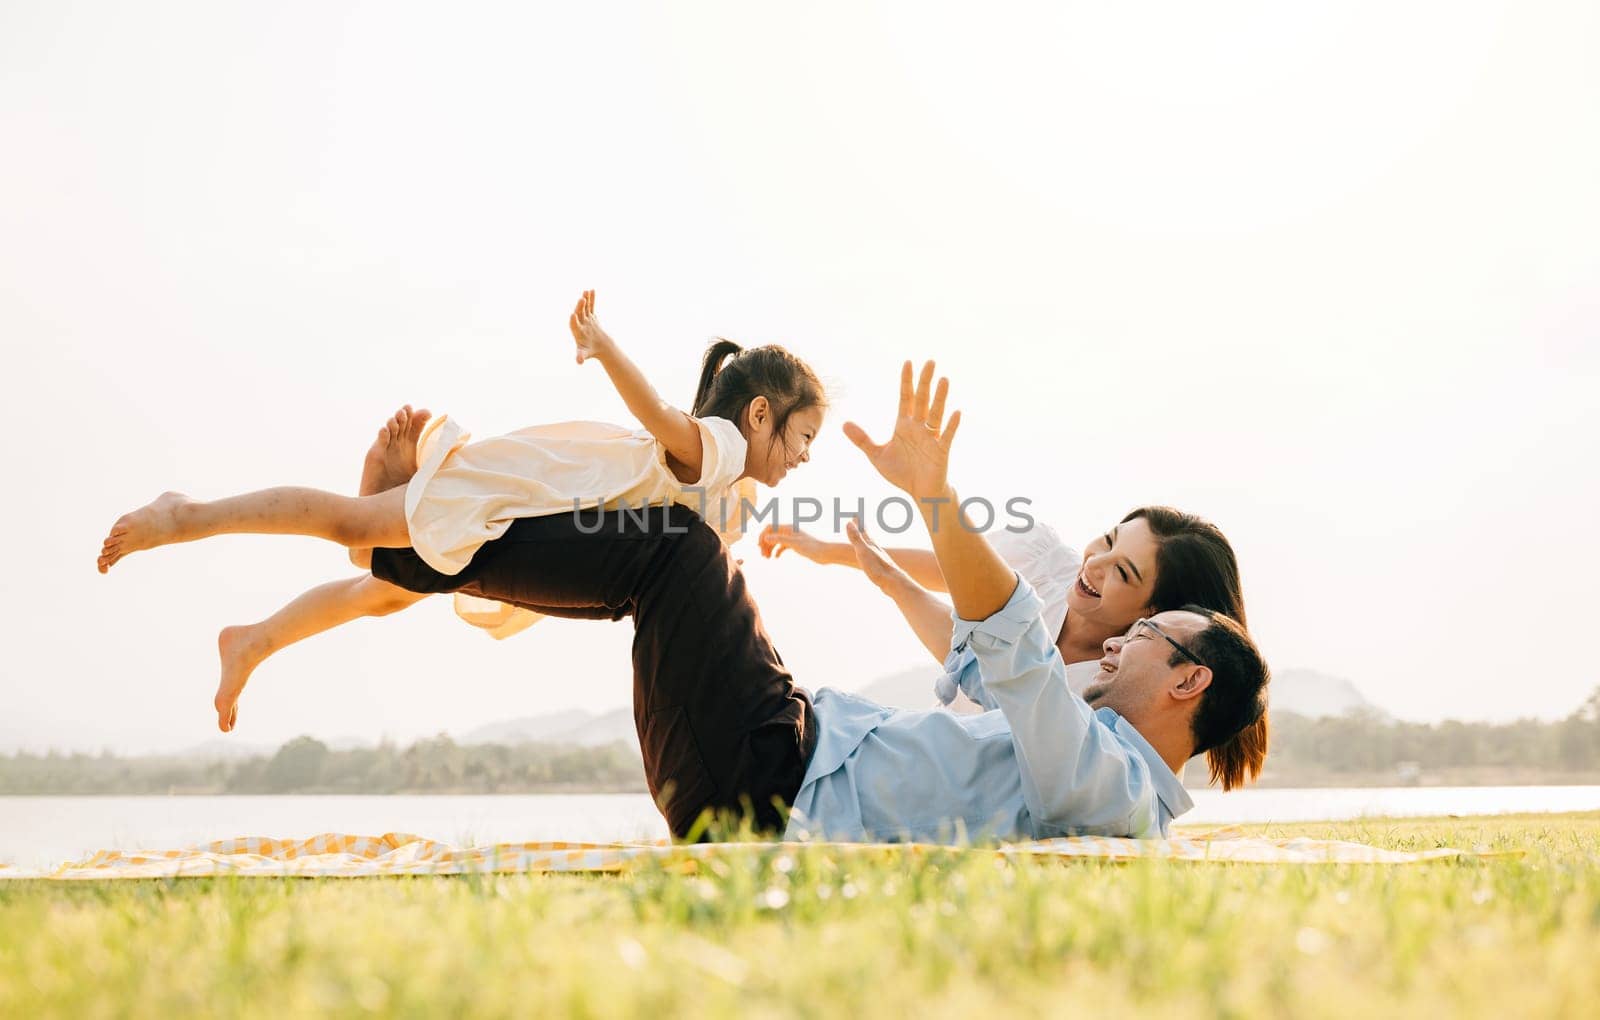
721,724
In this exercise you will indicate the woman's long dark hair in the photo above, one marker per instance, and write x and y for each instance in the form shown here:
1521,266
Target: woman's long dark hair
1195,565
731,377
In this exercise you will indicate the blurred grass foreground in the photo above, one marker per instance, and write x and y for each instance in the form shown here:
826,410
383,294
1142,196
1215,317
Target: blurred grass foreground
790,931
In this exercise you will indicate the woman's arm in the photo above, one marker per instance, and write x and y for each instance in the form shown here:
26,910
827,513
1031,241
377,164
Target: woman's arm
923,566
675,429
920,564
928,615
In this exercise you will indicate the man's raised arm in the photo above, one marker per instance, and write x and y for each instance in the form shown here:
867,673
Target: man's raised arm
1076,775
916,459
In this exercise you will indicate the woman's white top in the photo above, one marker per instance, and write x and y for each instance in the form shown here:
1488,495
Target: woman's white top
465,494
1048,564
1050,567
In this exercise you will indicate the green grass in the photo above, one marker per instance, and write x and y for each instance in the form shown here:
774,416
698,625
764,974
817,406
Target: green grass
790,931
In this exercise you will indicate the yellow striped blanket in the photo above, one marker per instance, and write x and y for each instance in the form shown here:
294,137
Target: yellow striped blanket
348,856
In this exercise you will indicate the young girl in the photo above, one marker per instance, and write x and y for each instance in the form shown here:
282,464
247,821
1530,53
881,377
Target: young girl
755,415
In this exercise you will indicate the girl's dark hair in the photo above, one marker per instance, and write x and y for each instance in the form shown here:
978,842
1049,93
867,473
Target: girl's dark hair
731,377
1196,568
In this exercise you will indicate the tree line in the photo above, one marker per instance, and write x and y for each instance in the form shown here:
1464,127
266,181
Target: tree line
307,765
1362,744
1357,748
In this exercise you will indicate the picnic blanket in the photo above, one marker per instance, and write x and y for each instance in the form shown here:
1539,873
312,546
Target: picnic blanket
338,855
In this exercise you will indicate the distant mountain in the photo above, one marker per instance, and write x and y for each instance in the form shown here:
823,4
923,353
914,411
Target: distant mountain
908,688
224,750
531,729
349,743
232,750
1304,692
586,729
1317,695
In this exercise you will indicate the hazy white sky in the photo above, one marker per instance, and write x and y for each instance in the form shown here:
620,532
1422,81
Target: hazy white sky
1326,274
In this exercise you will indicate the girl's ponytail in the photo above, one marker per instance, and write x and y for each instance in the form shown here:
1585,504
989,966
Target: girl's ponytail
716,354
726,389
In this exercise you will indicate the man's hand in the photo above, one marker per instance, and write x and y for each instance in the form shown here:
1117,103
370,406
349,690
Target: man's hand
875,563
592,341
916,458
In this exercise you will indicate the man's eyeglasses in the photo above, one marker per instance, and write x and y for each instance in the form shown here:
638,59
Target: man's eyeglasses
1145,624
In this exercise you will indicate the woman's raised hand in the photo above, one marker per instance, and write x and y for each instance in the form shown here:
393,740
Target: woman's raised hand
592,341
776,539
917,457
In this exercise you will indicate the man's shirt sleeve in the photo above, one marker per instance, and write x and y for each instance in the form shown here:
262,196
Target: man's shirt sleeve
961,675
1077,775
1050,567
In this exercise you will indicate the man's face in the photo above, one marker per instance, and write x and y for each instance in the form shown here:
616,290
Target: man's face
1134,672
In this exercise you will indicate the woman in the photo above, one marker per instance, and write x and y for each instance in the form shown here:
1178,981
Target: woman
1154,560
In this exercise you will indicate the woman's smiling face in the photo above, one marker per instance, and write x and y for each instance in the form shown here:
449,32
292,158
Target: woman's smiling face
1117,577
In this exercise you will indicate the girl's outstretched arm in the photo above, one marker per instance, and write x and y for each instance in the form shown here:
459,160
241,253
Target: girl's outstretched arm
674,428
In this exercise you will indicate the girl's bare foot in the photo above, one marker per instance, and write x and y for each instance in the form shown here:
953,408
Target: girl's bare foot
241,651
372,464
392,458
154,524
402,462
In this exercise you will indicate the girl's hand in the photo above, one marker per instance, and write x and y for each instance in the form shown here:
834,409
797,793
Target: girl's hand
875,563
916,458
592,341
775,539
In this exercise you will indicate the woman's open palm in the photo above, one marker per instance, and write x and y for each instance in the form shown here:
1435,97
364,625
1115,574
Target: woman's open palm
916,458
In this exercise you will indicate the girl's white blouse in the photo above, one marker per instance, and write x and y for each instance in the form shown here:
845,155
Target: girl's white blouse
465,494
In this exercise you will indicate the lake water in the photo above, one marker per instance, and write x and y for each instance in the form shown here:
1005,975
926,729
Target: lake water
44,831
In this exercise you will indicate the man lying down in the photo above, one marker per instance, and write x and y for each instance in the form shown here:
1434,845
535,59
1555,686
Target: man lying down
723,727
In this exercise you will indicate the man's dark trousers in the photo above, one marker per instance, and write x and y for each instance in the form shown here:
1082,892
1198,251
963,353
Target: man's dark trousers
721,724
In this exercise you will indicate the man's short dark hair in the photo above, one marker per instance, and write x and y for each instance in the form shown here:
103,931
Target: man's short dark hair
1230,723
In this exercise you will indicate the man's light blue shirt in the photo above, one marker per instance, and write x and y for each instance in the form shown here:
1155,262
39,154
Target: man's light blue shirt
1042,763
